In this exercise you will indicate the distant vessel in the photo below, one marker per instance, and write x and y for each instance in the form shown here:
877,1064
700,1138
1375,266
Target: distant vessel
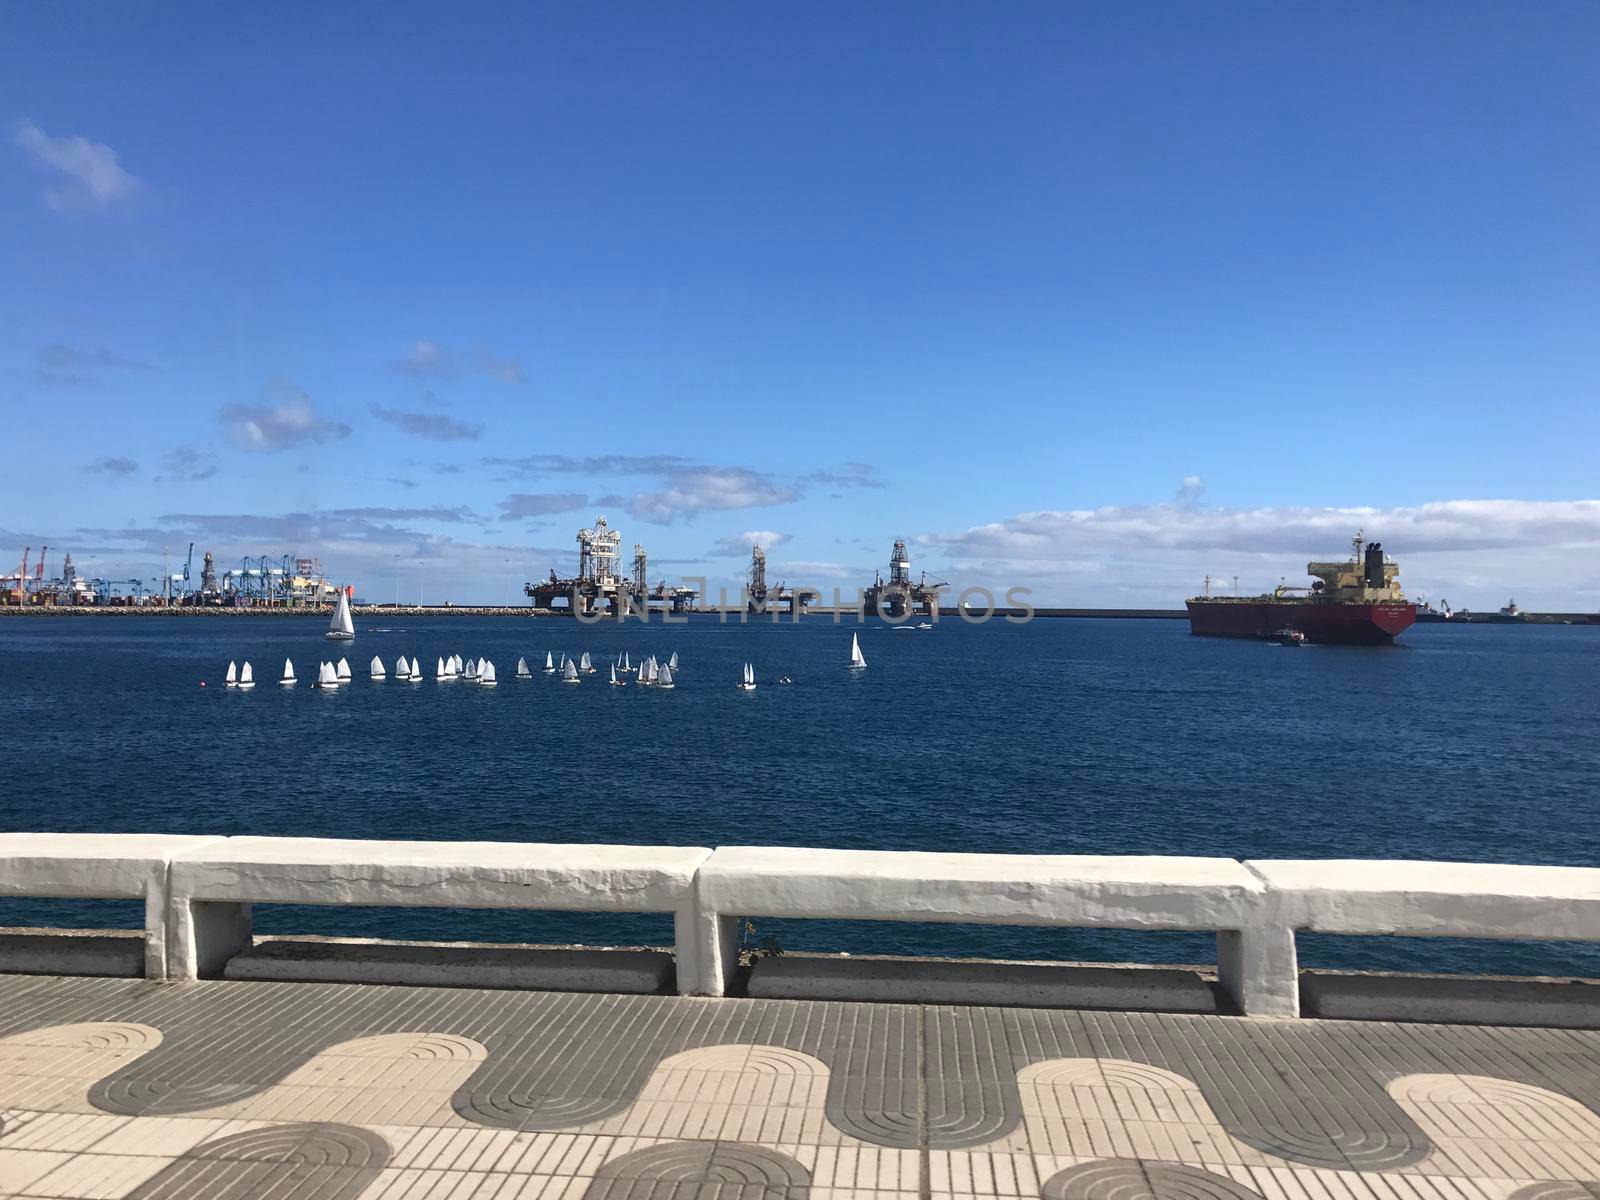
402,669
1356,602
1510,615
247,678
569,673
486,674
416,671
647,672
452,666
343,672
585,664
522,669
288,674
327,678
673,661
615,682
857,659
377,668
231,679
439,673
665,679
549,663
1289,637
341,628
924,625
748,683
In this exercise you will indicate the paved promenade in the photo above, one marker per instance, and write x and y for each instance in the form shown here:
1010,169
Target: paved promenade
222,1091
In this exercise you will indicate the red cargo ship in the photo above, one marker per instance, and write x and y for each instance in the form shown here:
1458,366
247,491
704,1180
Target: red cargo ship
1358,602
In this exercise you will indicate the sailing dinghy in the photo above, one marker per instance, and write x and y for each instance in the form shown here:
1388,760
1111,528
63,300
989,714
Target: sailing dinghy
522,669
664,680
857,659
232,677
247,678
288,674
343,673
377,668
549,664
585,664
748,684
569,673
615,682
416,671
327,678
486,674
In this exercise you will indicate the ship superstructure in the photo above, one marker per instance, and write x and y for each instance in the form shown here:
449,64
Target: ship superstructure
1356,601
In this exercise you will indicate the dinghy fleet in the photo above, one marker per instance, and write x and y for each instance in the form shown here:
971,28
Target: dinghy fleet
650,672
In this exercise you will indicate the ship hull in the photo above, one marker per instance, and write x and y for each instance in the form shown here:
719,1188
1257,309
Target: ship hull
1325,624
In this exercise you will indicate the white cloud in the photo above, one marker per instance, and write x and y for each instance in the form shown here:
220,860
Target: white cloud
708,489
88,172
1156,554
434,426
266,427
737,545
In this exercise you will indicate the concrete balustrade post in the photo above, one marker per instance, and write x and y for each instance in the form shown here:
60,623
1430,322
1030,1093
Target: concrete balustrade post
708,950
1259,968
203,936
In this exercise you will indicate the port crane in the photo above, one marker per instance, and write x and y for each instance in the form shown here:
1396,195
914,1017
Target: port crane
20,592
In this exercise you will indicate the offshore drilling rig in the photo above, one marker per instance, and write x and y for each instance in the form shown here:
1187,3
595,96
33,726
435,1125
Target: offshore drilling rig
898,595
600,585
759,598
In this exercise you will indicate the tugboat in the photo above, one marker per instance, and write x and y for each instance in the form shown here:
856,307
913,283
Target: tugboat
1355,602
1510,615
1289,637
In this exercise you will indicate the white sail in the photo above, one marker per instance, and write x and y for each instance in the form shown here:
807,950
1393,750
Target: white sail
470,671
749,673
857,659
673,661
549,663
456,665
569,673
288,673
416,670
665,680
486,676
450,668
232,678
438,670
627,662
615,682
327,677
247,677
344,671
585,664
377,668
402,669
522,669
340,626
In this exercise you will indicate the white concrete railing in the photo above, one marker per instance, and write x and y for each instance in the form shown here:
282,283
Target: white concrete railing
198,891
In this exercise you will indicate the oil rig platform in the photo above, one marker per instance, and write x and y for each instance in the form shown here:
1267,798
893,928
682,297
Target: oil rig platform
779,597
600,585
898,596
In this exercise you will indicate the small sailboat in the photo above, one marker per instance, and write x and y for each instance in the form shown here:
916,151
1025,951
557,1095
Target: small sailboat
615,682
439,673
627,663
549,663
327,678
377,668
402,669
522,669
486,674
247,677
343,672
673,661
288,673
585,664
748,683
664,680
569,673
340,627
454,665
470,671
416,671
231,679
647,673
857,659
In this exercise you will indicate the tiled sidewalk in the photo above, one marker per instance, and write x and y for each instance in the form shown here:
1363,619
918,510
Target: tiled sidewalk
114,1088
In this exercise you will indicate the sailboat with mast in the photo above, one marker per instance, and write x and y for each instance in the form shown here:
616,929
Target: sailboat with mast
549,663
342,672
247,678
288,673
569,673
857,659
486,676
586,664
748,683
615,682
416,671
340,627
664,680
377,668
231,679
327,678
522,669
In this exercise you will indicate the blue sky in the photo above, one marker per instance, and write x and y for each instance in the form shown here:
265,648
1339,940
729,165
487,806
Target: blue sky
1089,299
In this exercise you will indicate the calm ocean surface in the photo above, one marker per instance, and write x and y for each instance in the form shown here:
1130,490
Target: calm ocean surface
1059,736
